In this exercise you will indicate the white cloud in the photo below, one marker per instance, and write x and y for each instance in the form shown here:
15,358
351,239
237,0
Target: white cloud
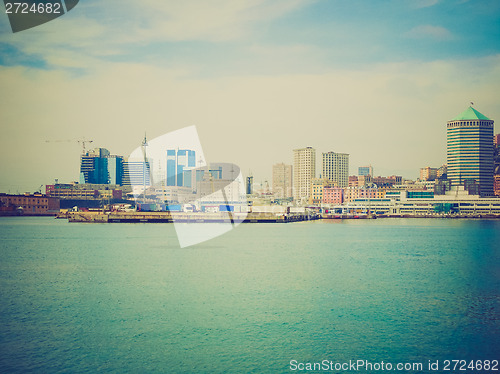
392,115
429,32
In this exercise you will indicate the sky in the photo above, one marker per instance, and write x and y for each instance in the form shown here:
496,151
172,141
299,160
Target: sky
375,79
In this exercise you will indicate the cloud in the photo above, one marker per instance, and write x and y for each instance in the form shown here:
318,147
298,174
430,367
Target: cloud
373,114
429,32
117,27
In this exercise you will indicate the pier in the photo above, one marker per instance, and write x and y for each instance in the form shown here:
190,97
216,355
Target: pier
199,217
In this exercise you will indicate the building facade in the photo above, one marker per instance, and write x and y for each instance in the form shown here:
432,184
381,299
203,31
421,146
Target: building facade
136,173
98,166
317,186
30,204
304,169
336,168
428,173
333,195
470,150
282,180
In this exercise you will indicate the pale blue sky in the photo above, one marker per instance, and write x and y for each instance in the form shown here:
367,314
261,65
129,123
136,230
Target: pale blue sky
375,79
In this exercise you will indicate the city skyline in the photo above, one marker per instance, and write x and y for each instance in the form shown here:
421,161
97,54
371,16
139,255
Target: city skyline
378,81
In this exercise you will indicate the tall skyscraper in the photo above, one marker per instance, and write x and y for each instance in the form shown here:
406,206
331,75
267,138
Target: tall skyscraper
178,162
304,169
336,168
282,180
470,151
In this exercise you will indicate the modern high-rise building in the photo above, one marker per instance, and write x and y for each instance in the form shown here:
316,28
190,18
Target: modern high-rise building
365,170
97,166
304,169
115,169
470,151
336,168
137,173
282,180
178,162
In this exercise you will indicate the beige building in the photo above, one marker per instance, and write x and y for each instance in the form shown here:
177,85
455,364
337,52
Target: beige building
317,186
428,173
336,168
304,169
282,180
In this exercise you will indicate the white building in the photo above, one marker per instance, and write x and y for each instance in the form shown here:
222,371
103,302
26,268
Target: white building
304,166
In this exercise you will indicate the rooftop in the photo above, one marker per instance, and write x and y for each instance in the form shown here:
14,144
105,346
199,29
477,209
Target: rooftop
470,113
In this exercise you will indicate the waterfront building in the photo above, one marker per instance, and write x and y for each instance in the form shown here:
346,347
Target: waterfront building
400,202
178,162
28,204
496,185
333,195
75,191
304,169
282,181
367,193
350,194
317,186
470,150
336,168
365,170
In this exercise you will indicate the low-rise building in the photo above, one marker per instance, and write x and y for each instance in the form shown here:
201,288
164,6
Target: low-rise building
496,185
317,186
30,204
333,195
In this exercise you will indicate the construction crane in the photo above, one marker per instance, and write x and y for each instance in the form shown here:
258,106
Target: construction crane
81,141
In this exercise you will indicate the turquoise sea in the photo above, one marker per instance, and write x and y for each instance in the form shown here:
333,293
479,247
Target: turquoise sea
86,298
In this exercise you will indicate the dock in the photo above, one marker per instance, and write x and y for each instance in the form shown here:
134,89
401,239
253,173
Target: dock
191,217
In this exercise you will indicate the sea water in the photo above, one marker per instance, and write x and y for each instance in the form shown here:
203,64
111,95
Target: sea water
264,298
